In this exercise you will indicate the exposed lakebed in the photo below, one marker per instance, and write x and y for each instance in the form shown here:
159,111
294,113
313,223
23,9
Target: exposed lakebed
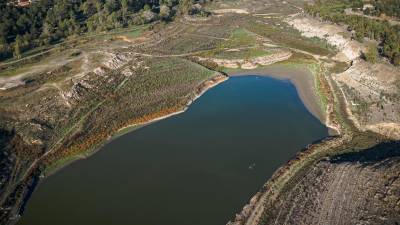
199,167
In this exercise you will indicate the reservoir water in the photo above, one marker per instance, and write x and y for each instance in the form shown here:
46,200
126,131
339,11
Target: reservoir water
197,168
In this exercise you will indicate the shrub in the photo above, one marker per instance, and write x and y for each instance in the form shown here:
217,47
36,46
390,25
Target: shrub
371,55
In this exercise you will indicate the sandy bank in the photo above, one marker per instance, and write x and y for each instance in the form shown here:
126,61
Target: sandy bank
302,79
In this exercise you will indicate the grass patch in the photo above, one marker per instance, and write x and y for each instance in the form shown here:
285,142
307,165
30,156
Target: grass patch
242,44
247,53
15,71
240,38
289,37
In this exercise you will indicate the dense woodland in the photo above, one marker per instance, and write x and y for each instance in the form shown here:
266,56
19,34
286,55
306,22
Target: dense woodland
387,35
387,7
45,22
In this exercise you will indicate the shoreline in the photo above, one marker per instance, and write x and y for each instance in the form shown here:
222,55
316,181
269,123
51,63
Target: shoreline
304,81
200,90
301,77
253,211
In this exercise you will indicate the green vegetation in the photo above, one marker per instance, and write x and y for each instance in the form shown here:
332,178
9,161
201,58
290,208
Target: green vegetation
46,22
248,53
241,37
371,55
289,37
165,87
385,8
242,44
387,35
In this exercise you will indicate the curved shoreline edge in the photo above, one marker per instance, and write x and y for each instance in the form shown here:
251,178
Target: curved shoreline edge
206,85
301,77
303,80
34,181
252,212
203,88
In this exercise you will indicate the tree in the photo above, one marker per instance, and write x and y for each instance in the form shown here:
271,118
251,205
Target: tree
125,8
362,27
18,46
111,6
146,7
4,48
359,36
89,8
185,6
396,60
165,13
48,21
3,40
371,55
169,3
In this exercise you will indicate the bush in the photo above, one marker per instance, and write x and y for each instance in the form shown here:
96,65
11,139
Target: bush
396,60
165,13
371,55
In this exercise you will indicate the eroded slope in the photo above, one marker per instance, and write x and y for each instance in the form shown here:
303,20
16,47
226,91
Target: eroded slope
353,188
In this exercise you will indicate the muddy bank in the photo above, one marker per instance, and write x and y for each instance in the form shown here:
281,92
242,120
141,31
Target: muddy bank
302,79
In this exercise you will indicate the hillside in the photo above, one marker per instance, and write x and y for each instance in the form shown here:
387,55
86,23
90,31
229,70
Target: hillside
72,87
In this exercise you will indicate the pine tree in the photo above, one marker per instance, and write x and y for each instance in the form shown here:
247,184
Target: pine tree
18,46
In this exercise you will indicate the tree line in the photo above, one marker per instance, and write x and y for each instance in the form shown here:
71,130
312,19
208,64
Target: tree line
388,36
387,7
46,22
379,7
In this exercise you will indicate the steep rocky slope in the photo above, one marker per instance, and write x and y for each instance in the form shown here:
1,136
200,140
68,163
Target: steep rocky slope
372,96
354,188
336,36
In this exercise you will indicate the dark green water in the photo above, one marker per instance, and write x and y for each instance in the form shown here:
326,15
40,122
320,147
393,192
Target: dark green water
191,169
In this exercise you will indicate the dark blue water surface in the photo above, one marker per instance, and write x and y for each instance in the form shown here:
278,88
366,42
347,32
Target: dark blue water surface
197,168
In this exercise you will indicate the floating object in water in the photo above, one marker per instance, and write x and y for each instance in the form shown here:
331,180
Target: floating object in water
252,166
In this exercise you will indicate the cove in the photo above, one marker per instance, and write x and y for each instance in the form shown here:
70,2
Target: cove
199,167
